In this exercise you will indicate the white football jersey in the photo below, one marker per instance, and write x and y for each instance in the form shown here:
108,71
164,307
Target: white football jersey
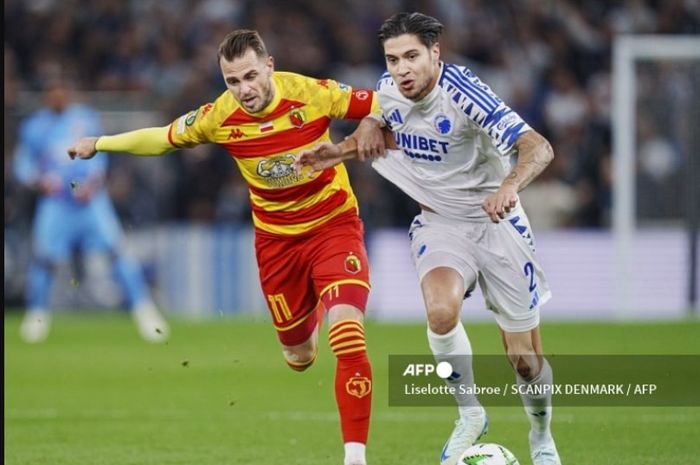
455,144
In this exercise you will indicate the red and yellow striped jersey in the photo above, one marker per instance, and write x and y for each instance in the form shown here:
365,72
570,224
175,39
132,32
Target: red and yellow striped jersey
265,144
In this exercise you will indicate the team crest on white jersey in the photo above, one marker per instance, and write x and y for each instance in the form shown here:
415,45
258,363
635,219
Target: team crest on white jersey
442,124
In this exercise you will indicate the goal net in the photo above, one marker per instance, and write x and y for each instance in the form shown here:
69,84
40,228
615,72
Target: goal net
656,170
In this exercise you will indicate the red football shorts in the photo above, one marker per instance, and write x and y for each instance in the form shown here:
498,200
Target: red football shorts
326,267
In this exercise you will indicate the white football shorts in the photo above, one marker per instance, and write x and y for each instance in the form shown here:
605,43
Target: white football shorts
501,255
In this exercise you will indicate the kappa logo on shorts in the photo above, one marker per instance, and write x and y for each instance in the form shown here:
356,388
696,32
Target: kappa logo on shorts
353,265
358,386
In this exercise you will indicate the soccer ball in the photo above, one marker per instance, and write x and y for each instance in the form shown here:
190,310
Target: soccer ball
487,454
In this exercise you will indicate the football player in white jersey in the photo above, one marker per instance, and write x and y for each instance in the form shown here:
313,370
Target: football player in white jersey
456,140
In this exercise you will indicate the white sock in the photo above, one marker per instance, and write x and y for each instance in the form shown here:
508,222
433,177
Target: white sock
538,407
144,304
354,453
454,347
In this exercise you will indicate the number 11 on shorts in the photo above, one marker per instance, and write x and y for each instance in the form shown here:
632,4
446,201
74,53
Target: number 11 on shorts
279,307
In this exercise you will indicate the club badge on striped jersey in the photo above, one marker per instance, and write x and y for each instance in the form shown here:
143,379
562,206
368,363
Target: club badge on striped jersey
353,265
278,171
297,117
358,386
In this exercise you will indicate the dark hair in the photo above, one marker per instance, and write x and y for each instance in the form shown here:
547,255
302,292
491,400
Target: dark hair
237,43
426,28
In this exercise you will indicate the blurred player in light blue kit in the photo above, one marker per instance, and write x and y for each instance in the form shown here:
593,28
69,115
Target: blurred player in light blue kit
73,211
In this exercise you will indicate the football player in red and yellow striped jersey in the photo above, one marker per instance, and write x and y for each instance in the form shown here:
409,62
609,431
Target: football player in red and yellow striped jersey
309,237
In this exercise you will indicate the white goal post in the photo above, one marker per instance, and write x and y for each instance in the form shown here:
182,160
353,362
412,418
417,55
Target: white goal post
628,50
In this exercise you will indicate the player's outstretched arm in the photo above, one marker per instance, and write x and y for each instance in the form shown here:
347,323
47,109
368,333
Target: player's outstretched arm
534,154
142,142
369,137
326,155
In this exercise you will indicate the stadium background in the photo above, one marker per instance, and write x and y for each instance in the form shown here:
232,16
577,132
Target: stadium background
219,392
187,215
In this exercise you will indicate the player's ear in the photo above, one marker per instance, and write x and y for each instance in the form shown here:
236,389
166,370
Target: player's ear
435,50
270,63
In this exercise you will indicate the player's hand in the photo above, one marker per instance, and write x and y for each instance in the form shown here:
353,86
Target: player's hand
85,191
83,149
321,156
49,184
370,139
498,205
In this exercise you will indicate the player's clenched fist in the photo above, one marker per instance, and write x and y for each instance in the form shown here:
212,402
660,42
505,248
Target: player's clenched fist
498,205
321,156
83,149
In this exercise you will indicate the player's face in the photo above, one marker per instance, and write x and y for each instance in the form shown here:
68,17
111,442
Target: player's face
413,66
249,78
57,97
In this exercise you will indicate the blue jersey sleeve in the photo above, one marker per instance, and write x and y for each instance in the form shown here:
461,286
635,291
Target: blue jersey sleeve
482,106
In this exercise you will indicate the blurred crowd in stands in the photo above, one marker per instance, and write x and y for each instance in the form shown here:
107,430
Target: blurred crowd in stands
549,59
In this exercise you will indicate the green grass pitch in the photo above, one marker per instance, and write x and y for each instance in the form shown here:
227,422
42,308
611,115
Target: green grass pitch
219,393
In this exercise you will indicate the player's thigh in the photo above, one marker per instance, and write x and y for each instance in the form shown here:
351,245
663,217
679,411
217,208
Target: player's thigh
522,341
442,256
340,312
443,293
304,351
285,278
340,267
53,230
512,280
102,230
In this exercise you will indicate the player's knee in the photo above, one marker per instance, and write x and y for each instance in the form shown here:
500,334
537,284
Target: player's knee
300,358
523,368
347,339
525,364
442,318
